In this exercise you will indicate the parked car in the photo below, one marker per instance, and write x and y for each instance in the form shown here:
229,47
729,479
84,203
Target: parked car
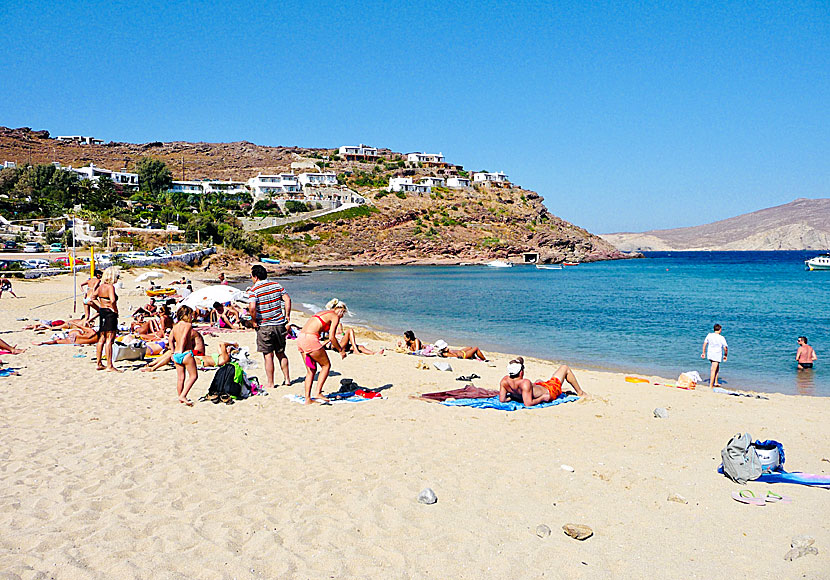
64,261
56,247
10,245
32,247
35,263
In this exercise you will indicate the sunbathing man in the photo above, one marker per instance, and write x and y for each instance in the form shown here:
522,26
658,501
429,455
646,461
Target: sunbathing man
464,352
80,335
515,386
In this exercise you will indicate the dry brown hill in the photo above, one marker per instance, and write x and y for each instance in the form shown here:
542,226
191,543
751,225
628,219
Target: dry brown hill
803,224
451,225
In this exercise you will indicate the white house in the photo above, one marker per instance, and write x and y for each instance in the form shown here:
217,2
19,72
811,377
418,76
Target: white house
426,158
432,181
328,179
358,153
458,182
280,184
405,184
225,187
485,177
93,173
188,187
9,164
80,139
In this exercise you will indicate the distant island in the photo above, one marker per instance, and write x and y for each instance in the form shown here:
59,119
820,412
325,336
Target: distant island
803,224
343,205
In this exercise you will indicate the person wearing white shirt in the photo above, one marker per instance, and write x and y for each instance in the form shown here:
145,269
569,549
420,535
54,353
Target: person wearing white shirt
715,349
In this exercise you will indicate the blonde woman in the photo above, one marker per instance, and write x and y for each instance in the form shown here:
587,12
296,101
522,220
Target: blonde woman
312,351
106,300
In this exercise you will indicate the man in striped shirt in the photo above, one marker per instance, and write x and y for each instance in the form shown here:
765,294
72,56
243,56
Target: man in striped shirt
270,309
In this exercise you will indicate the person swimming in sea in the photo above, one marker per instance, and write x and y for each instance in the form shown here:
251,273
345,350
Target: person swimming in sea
181,345
514,386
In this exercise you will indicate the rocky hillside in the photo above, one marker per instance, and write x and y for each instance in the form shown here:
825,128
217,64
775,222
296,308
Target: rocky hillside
449,226
803,224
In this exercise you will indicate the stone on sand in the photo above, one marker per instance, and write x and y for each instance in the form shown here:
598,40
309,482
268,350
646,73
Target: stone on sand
427,496
578,531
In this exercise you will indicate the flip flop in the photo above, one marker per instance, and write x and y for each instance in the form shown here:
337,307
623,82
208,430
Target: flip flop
773,497
746,496
227,399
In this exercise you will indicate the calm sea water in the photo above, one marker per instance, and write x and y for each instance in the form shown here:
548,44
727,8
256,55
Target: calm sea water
638,316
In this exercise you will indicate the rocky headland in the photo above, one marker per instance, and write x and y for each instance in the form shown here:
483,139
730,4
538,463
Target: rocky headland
449,226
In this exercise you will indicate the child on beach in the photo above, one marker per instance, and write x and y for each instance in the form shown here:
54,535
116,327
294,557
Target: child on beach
181,343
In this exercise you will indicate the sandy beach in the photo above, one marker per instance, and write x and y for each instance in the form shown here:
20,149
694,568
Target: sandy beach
106,476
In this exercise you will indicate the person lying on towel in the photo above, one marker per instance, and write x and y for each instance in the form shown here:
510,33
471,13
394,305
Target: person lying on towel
516,387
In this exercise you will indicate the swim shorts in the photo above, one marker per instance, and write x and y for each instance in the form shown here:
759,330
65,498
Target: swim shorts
108,320
270,338
553,385
805,365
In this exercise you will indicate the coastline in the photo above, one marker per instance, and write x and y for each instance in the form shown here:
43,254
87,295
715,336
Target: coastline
107,475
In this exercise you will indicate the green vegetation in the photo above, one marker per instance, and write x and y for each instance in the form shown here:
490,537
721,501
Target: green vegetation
153,175
489,242
400,194
346,214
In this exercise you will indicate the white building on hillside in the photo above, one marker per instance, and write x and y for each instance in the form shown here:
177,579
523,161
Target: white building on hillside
328,179
80,139
225,187
405,184
485,177
358,153
188,187
427,159
432,181
458,182
276,185
93,173
9,165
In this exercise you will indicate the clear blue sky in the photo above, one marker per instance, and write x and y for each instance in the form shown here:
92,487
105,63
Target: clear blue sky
624,116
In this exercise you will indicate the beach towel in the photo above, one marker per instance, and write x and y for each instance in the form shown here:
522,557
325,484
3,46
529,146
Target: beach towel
494,403
797,477
426,351
334,398
8,372
468,392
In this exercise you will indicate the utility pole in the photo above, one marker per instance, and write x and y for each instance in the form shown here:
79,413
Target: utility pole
182,166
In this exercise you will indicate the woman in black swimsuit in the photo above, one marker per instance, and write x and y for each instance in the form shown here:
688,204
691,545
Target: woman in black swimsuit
107,302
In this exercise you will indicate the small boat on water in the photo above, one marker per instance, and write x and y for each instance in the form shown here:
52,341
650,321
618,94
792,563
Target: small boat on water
154,292
570,263
499,264
821,262
269,260
548,266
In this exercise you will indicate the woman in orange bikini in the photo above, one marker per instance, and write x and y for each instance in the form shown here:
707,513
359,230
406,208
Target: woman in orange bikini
312,351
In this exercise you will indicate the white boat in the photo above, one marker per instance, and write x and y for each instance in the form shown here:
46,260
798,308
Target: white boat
818,263
548,266
500,264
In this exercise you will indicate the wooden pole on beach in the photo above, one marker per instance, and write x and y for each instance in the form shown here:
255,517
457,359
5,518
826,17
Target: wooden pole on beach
72,262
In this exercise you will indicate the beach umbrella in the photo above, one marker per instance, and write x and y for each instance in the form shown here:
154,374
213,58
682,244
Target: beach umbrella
149,276
205,297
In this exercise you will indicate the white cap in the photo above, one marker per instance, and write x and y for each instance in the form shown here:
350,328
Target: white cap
441,345
514,368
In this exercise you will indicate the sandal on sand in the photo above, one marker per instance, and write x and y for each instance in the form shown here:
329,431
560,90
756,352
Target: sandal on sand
226,398
773,497
746,496
212,397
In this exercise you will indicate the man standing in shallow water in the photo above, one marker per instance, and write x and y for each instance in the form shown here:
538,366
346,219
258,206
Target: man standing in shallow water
270,309
715,349
805,356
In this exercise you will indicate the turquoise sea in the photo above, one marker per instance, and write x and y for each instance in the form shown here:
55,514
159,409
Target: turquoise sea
636,316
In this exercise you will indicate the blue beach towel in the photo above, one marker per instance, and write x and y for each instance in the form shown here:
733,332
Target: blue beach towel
352,399
494,403
7,372
796,477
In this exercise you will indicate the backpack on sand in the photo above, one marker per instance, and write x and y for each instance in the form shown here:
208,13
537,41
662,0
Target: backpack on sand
740,462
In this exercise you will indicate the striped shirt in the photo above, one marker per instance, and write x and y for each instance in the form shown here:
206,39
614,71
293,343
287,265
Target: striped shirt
270,309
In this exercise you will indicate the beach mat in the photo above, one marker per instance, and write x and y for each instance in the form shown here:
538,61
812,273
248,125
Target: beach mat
333,399
796,477
467,392
494,403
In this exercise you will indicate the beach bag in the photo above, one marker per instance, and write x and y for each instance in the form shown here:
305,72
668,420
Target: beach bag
740,462
224,383
686,381
121,351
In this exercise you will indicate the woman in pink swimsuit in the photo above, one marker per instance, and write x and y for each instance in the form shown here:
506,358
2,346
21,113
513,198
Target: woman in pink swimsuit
312,351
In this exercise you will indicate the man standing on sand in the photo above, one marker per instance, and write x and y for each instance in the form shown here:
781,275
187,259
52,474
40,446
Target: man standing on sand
715,349
270,309
515,386
805,356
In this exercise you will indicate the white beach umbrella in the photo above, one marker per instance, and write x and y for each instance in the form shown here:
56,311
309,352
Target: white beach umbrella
149,276
205,297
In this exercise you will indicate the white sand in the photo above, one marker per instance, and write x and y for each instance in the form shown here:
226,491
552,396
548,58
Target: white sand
107,476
